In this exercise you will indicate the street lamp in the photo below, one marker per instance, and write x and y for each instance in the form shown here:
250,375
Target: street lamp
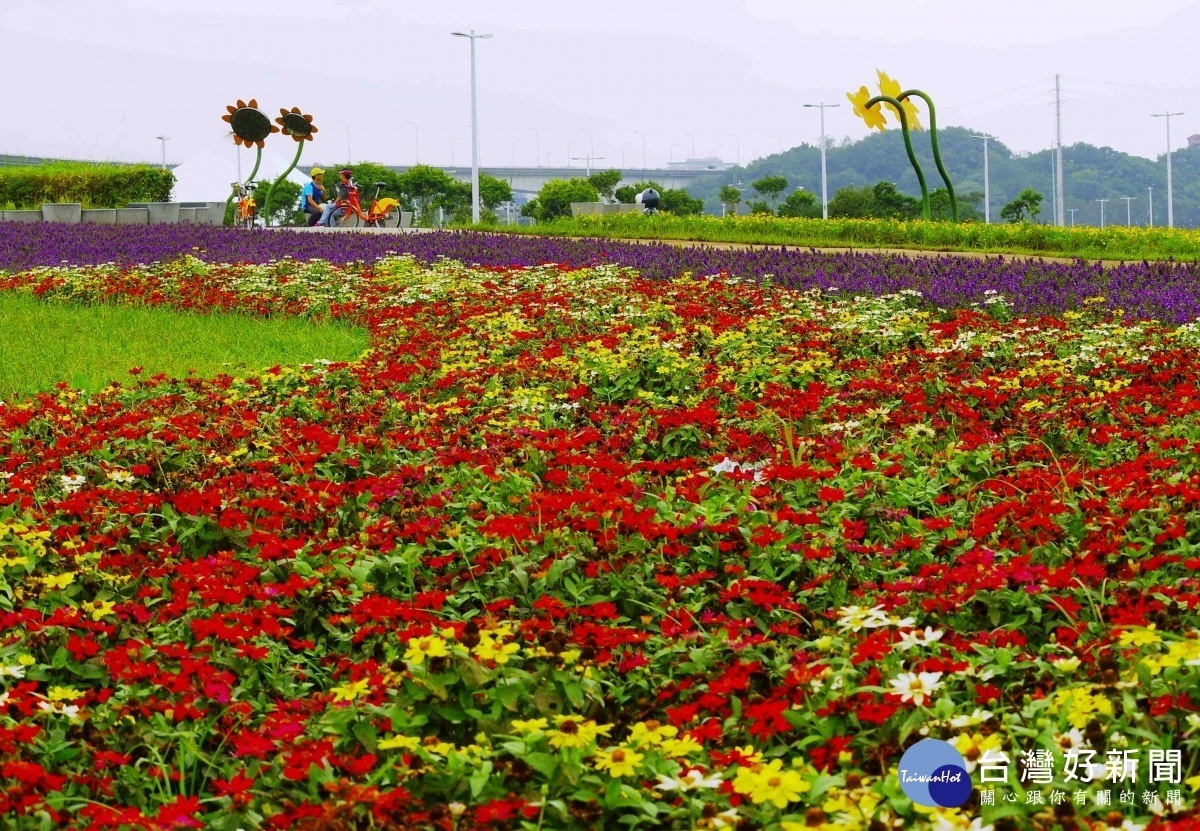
1101,201
987,194
474,127
739,148
1170,192
824,178
1151,195
417,134
537,147
163,140
347,126
693,145
1129,209
643,135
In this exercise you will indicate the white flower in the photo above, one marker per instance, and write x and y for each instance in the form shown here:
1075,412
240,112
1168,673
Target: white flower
728,465
120,476
916,687
14,671
692,780
725,819
71,483
908,640
977,717
858,617
59,707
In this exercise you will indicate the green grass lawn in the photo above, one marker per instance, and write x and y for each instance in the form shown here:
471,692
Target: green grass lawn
43,343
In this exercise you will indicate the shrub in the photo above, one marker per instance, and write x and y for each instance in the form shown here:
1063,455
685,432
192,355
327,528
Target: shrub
93,185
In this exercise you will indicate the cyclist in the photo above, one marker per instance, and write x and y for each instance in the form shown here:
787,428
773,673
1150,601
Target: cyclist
311,195
345,184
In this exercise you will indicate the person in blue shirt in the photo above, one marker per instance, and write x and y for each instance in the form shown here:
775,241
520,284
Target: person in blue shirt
311,195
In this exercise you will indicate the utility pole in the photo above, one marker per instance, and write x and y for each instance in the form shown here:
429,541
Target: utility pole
164,140
1151,189
1101,201
1058,178
474,128
1129,209
987,193
1170,191
1053,190
1072,211
589,159
824,178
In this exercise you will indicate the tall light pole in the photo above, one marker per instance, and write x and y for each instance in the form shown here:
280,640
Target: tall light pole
1071,211
824,177
1151,189
163,140
778,143
643,135
693,144
1170,192
537,147
474,127
1101,201
349,160
739,148
987,193
1129,209
417,133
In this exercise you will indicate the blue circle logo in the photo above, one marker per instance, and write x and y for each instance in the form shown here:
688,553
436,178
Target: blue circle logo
934,774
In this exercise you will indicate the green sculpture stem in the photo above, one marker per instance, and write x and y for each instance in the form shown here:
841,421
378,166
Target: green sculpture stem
912,157
250,178
282,176
937,155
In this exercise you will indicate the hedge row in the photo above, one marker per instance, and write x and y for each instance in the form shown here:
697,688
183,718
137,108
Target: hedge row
93,185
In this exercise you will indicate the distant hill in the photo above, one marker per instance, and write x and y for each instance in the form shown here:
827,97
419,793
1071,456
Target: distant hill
1089,173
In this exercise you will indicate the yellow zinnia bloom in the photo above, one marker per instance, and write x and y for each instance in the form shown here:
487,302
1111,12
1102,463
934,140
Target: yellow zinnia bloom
620,762
350,691
1140,636
401,742
771,783
891,87
873,116
430,646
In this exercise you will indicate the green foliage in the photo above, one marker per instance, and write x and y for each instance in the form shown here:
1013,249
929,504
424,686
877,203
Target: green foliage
605,181
1027,204
882,201
493,192
88,346
555,198
759,207
800,203
92,185
285,200
672,200
770,186
1088,242
730,196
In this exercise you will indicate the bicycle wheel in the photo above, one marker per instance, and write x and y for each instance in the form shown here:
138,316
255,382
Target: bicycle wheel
391,219
348,219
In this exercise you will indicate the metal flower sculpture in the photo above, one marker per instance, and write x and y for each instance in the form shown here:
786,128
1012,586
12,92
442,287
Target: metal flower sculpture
250,128
301,128
870,109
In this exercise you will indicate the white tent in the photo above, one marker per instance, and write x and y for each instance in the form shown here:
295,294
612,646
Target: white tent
208,177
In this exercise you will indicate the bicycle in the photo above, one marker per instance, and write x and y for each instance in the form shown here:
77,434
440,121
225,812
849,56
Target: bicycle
383,213
245,213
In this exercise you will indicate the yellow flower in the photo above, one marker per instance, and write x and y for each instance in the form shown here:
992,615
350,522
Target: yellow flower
64,694
533,725
26,660
430,646
652,732
681,747
771,783
1140,636
572,732
350,691
620,762
892,88
401,742
493,650
873,116
101,608
1193,782
58,581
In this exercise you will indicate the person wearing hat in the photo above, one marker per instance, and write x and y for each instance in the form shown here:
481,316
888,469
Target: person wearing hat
311,195
344,186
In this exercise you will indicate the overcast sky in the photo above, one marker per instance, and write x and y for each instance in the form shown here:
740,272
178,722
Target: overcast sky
101,78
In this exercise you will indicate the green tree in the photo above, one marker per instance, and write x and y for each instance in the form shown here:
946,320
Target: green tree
759,207
555,198
770,187
852,203
1028,201
604,181
427,188
680,202
892,204
730,196
493,192
800,203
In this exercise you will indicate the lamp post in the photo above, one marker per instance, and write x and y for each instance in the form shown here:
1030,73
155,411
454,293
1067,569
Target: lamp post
349,160
417,134
1170,191
643,135
537,147
824,179
1151,194
987,194
1071,211
1129,209
474,126
693,144
1101,201
163,140
738,144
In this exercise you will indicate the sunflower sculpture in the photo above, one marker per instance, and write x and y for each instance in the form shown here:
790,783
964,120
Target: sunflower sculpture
301,128
898,100
250,124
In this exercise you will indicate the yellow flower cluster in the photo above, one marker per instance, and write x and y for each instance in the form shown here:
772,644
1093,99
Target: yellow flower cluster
1082,706
771,783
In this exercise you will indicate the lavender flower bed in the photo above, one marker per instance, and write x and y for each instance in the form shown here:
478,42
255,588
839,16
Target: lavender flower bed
1167,291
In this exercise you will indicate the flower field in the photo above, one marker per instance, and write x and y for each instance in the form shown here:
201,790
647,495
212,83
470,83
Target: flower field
575,546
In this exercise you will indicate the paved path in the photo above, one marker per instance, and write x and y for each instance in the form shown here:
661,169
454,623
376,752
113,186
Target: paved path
905,252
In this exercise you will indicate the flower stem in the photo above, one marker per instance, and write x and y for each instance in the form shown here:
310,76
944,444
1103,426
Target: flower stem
912,157
250,178
282,176
937,154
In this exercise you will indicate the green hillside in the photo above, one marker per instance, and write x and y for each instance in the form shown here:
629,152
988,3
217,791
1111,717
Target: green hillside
1090,173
